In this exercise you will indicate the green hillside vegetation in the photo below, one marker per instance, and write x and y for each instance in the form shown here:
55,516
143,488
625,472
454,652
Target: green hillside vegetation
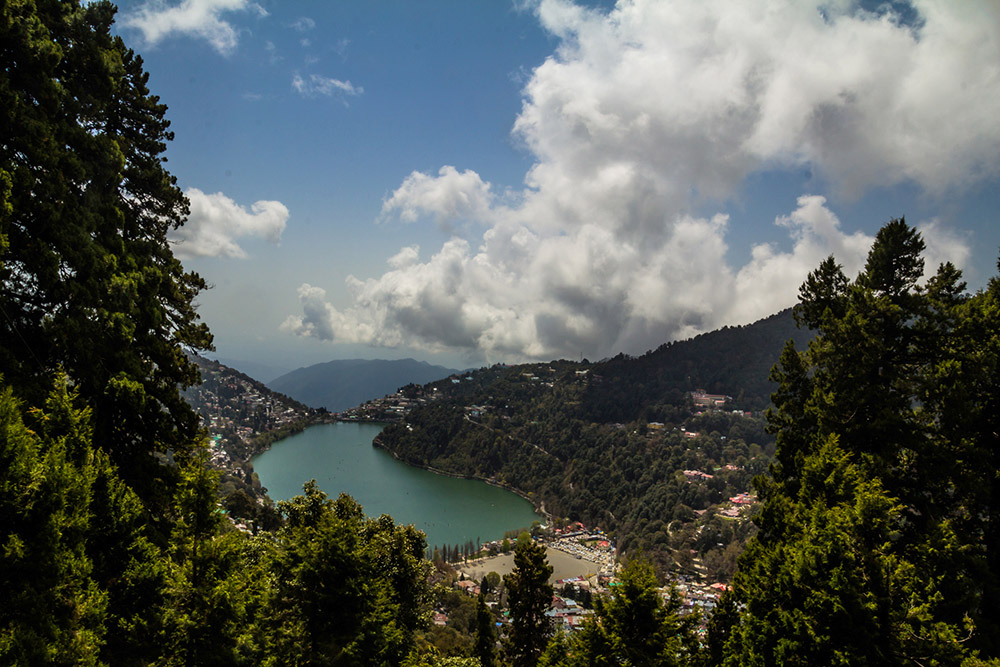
113,547
243,418
878,535
533,428
733,361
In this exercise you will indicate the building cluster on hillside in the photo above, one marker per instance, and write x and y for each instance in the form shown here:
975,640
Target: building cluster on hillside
218,456
395,407
228,402
569,613
696,596
740,505
593,546
389,408
575,539
566,612
234,409
702,399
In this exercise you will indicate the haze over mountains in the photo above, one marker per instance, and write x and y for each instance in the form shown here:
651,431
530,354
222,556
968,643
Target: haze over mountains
264,372
345,383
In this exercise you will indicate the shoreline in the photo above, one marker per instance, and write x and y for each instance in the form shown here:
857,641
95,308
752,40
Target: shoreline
538,506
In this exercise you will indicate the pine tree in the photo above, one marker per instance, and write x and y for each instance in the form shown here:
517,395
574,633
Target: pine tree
88,281
347,590
209,583
873,545
53,612
636,626
486,639
529,596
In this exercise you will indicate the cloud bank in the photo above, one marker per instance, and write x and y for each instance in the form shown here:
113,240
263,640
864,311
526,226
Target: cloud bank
200,19
216,222
647,112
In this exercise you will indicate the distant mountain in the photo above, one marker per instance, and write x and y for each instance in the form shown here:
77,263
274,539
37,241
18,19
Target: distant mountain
262,372
346,383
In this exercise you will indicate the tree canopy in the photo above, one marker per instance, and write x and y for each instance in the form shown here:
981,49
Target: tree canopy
89,281
635,626
529,596
878,534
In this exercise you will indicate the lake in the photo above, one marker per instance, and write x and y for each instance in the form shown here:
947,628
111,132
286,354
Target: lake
341,458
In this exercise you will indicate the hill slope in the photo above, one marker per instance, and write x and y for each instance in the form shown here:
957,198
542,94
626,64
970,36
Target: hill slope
733,360
345,383
616,443
243,418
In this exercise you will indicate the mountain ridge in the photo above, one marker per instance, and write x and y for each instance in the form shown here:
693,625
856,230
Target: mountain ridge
346,383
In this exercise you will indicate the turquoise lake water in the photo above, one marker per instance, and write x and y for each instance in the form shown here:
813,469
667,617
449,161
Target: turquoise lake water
341,458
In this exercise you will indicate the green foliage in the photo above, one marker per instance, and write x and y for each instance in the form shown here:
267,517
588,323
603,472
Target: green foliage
529,596
113,549
209,586
878,532
719,628
433,660
611,476
636,626
89,281
84,585
347,590
556,654
732,360
542,429
817,582
486,638
53,611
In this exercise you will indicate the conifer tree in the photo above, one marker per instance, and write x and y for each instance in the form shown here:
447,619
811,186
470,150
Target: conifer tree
877,518
486,638
209,583
529,596
347,590
52,611
88,280
636,626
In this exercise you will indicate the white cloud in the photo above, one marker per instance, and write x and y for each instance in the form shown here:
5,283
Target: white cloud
656,109
447,197
521,295
408,256
771,279
321,85
202,19
216,222
943,245
272,52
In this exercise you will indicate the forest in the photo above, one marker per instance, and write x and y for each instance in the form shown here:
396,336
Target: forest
538,428
625,479
876,541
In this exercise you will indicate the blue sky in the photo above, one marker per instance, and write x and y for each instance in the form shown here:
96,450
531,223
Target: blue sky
472,182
